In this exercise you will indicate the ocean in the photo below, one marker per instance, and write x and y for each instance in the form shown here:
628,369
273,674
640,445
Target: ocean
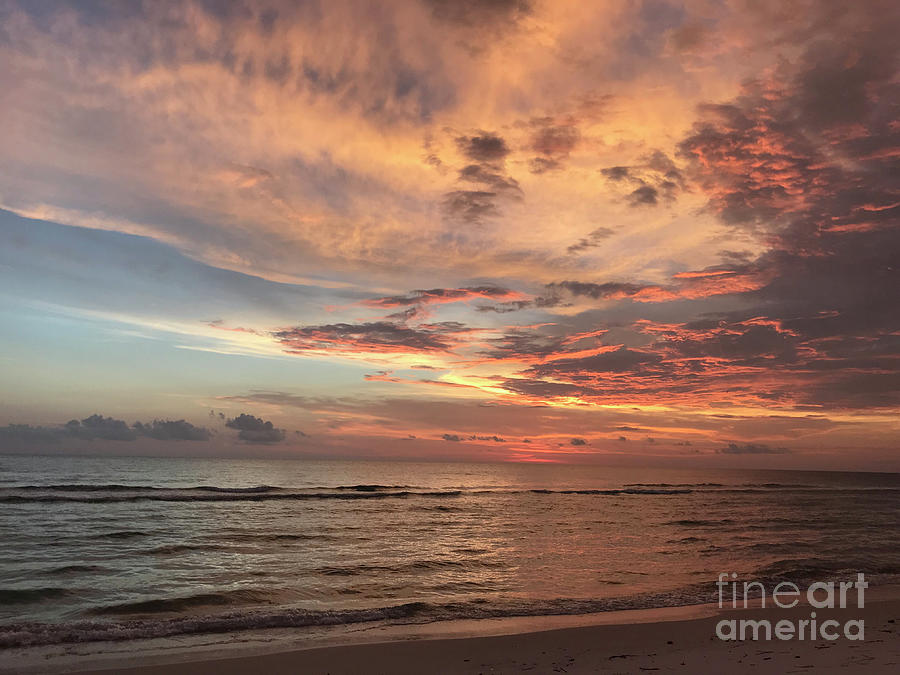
127,548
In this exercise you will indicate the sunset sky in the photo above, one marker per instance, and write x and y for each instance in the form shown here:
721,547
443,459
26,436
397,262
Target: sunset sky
627,231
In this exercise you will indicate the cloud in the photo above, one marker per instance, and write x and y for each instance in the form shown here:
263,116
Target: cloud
255,430
382,376
684,285
408,314
168,430
806,157
17,436
377,336
458,438
479,173
485,147
489,152
506,307
656,177
755,239
540,165
751,449
470,206
616,173
553,142
610,289
481,14
644,195
535,388
619,361
442,295
595,238
100,428
577,441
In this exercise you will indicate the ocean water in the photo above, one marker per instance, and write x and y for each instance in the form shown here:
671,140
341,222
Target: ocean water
123,548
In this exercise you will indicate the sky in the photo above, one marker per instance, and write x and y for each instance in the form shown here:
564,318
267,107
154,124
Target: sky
507,230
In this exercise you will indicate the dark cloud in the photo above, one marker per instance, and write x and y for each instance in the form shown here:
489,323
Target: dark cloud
255,430
406,315
741,344
578,441
457,438
552,299
809,159
853,389
616,173
505,307
656,177
519,343
535,388
619,361
440,295
553,142
543,165
378,336
19,436
479,173
485,147
593,239
488,152
470,206
751,449
689,36
100,428
490,15
168,430
602,291
644,195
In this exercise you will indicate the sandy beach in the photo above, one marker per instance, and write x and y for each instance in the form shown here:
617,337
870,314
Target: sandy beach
665,640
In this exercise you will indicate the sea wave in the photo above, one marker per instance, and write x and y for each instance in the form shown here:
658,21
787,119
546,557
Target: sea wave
207,495
800,570
114,493
118,487
180,604
414,566
25,495
615,491
23,596
76,569
122,534
34,634
132,622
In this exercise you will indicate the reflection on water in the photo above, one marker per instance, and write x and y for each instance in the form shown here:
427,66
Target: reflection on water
177,545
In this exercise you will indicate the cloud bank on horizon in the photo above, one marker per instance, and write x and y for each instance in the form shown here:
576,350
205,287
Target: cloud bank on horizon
661,229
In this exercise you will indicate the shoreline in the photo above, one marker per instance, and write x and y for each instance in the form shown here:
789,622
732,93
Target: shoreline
626,641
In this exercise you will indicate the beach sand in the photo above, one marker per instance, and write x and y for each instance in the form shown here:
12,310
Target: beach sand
660,640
